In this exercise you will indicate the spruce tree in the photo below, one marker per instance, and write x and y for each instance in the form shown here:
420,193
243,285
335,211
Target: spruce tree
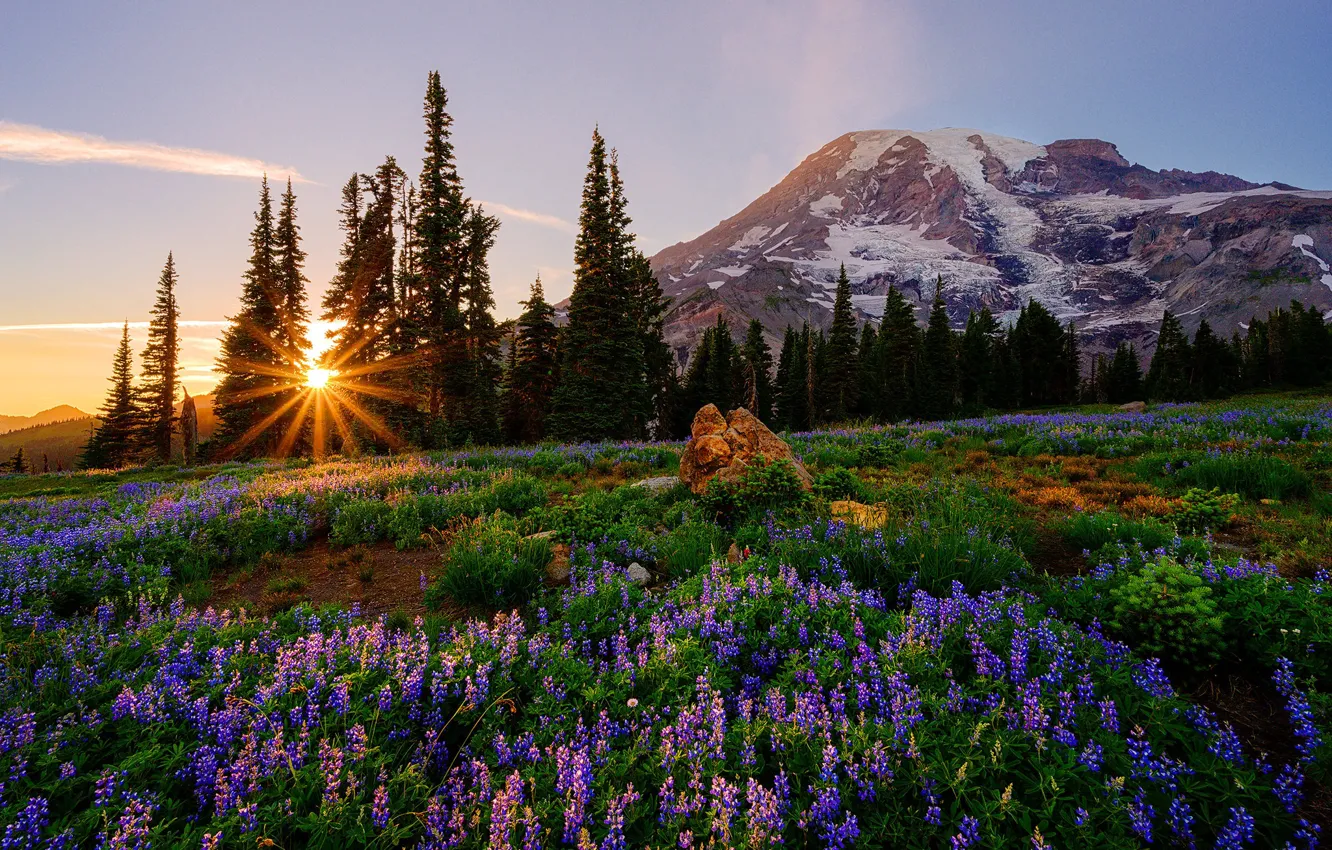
603,391
898,343
161,358
290,260
535,370
976,360
648,306
18,464
790,390
112,445
757,359
1168,375
867,370
936,374
441,236
477,421
1070,367
1210,371
1040,345
843,381
1123,380
258,381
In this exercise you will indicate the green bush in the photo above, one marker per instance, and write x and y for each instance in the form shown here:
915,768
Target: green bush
1167,610
360,521
761,487
1252,476
839,483
1202,510
514,494
491,564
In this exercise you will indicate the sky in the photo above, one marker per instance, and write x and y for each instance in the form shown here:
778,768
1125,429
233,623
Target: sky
130,130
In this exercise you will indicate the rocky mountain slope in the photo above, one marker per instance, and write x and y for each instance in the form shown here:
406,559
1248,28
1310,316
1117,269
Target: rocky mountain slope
1102,242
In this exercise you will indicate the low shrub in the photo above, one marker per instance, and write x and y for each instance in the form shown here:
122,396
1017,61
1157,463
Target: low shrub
1165,609
763,486
1092,532
1201,510
360,521
839,483
491,564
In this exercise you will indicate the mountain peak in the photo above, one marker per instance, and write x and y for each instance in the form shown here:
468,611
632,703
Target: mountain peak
1102,242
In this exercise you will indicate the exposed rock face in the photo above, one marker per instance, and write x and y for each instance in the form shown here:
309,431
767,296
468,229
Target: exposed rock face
1100,241
723,446
1134,407
855,513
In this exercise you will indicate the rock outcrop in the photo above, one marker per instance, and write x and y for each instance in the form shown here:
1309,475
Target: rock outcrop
723,446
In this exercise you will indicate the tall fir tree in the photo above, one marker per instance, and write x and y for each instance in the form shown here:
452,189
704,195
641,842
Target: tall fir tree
1123,378
898,344
534,372
842,387
161,359
792,413
867,363
936,374
441,231
477,421
1040,346
603,391
257,384
648,306
1168,375
1070,367
757,359
112,445
289,258
1211,371
976,360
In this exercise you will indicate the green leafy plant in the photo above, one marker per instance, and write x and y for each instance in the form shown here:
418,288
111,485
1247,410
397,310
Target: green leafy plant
761,487
1200,510
491,564
360,521
839,483
1165,609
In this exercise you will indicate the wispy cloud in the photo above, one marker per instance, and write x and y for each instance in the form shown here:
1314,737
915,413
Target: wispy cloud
108,326
29,143
543,219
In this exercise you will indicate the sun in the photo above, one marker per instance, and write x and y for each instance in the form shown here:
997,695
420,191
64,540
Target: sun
317,378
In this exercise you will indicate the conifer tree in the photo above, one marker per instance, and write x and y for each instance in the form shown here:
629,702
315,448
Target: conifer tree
18,464
289,258
477,419
1040,345
1210,371
1168,375
790,390
898,344
161,357
1123,378
441,231
936,374
602,392
1070,367
867,363
535,370
757,359
648,306
257,378
843,385
112,444
976,360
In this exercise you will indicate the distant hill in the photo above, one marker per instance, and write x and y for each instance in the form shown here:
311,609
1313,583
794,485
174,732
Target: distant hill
61,432
60,413
61,442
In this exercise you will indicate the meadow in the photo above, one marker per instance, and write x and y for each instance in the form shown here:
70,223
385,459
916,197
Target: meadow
1076,629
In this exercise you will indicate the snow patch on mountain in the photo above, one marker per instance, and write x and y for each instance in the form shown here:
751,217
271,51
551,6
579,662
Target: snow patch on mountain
1304,242
753,238
826,207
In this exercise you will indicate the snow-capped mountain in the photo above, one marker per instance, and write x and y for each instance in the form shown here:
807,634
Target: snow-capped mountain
1104,243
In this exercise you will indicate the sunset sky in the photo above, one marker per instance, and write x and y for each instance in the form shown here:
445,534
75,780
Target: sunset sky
131,130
